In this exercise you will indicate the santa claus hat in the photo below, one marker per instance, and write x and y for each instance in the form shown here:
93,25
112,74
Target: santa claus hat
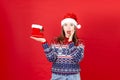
70,17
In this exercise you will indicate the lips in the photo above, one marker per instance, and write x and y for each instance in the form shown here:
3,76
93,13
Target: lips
68,32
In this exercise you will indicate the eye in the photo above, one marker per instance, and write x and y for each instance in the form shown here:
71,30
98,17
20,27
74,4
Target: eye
71,24
65,24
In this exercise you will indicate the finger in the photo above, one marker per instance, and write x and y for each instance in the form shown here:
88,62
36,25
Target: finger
31,37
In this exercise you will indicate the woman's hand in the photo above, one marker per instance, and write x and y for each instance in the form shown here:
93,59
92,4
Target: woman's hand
71,35
39,39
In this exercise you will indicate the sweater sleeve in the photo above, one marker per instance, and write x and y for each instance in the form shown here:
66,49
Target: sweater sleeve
77,52
49,51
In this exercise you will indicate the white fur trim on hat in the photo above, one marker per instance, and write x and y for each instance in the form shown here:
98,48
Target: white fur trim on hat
66,20
37,26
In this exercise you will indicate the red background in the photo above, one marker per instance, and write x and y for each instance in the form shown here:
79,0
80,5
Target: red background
22,58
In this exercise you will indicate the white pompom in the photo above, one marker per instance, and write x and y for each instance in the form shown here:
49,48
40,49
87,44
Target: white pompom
79,26
37,26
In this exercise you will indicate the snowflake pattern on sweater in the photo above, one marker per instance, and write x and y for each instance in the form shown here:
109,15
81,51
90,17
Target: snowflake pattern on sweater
65,57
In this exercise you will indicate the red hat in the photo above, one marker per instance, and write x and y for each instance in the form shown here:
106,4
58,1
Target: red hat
70,17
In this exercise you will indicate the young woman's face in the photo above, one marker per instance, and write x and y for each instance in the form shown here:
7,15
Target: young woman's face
68,28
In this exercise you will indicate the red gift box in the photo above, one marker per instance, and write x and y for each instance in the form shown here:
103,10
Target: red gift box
37,31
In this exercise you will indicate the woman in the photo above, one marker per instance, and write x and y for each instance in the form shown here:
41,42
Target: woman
66,51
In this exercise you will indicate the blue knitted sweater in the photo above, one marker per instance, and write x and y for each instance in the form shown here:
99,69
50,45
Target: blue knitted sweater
65,57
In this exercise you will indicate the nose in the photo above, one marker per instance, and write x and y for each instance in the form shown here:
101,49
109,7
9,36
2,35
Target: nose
68,27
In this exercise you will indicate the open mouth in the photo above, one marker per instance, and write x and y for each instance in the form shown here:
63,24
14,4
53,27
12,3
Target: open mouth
68,32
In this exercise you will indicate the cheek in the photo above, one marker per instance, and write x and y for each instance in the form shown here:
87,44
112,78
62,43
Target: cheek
64,28
72,28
